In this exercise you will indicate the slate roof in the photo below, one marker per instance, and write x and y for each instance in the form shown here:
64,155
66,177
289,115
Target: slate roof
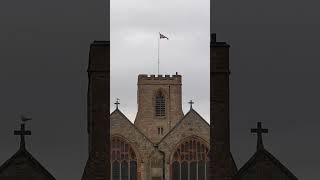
125,117
22,154
182,119
257,158
258,166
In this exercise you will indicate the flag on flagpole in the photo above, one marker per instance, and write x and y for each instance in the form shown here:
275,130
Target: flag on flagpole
163,36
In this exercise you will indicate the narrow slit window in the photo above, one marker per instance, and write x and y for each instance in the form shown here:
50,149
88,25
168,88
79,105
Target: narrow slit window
160,130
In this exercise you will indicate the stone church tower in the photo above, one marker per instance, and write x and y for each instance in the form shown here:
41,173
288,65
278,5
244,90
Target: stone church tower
159,105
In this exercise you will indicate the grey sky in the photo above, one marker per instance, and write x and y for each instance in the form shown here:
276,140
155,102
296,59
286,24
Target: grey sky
135,27
44,48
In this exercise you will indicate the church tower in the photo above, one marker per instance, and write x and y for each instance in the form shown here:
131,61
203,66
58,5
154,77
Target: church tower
159,104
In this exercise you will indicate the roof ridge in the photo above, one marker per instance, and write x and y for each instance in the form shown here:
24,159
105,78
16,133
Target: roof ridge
271,157
125,117
180,121
29,156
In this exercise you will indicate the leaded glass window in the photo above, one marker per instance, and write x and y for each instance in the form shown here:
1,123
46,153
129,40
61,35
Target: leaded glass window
176,170
201,170
115,170
189,160
193,171
133,170
124,171
184,170
121,154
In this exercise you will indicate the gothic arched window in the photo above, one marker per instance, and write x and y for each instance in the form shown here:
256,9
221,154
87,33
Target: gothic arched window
123,160
160,104
190,159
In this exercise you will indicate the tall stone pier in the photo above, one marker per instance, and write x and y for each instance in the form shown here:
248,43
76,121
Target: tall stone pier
221,165
98,98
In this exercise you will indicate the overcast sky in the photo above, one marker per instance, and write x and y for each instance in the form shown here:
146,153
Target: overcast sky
274,60
135,27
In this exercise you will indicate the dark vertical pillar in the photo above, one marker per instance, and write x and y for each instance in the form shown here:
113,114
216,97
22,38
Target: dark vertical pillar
221,166
98,164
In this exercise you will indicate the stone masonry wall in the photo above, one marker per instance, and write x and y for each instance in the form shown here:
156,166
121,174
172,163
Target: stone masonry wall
120,126
192,125
146,120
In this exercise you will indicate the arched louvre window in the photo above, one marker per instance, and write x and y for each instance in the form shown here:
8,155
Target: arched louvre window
189,160
160,103
123,160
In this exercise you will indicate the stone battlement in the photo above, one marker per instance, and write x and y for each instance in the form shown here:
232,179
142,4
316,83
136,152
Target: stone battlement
159,79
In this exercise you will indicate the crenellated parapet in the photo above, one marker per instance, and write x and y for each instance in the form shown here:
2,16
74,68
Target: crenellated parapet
159,79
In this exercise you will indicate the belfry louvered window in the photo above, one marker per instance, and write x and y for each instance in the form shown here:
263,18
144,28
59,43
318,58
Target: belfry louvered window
160,105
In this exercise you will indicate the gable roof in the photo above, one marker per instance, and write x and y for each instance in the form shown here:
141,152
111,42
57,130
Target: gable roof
131,124
255,159
191,111
23,153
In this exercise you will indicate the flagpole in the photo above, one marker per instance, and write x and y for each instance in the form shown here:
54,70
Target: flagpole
159,53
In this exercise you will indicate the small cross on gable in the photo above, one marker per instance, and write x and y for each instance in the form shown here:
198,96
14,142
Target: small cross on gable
259,130
22,132
117,103
191,103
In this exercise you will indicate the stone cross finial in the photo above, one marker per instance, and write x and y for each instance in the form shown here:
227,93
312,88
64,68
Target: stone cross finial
22,132
259,130
191,102
117,103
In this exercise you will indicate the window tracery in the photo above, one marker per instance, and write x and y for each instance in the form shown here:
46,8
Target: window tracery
123,160
190,160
